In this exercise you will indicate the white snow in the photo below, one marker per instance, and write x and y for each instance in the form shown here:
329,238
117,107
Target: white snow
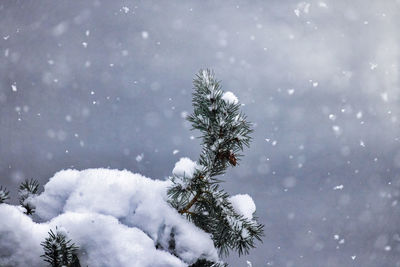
125,9
184,167
338,187
302,8
244,205
145,35
19,238
385,97
139,157
337,130
373,66
115,217
230,98
362,143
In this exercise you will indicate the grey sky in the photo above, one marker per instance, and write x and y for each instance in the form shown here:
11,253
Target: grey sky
97,83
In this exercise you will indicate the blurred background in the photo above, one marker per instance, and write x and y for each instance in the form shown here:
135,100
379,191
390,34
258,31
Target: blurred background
87,84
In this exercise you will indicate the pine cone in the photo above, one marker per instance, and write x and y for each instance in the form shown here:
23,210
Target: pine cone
232,159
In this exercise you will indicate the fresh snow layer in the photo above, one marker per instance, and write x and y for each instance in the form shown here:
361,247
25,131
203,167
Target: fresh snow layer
243,205
230,98
184,167
115,217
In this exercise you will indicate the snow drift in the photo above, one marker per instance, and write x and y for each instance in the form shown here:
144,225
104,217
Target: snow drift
117,218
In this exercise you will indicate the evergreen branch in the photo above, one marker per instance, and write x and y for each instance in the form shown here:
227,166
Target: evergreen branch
4,195
58,251
220,132
28,189
225,132
191,203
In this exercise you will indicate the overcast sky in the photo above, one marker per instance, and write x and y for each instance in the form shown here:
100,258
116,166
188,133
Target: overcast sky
89,84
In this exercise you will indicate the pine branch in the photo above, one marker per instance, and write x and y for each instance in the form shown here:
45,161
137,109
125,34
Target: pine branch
28,189
4,195
221,124
58,251
191,203
225,132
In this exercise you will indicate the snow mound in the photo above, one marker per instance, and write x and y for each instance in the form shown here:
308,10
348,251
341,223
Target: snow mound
184,167
117,218
230,98
244,205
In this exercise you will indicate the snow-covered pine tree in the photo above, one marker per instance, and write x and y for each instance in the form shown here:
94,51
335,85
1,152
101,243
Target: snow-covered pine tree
225,132
28,189
196,194
58,251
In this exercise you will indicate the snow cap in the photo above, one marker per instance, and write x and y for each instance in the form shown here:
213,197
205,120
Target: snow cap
184,167
244,205
230,98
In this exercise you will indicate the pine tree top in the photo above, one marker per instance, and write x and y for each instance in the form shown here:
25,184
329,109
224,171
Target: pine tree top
225,132
58,251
